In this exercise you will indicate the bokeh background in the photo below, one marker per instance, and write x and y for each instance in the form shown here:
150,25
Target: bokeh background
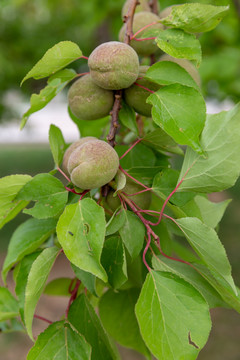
27,29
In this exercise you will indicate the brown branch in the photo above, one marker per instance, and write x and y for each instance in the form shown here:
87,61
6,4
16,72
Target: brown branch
128,19
154,6
114,121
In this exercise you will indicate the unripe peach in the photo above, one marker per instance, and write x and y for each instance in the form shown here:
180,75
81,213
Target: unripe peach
88,101
71,148
165,12
141,19
142,6
186,64
136,97
114,65
142,200
93,164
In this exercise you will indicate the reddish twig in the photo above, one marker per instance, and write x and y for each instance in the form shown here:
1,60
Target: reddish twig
131,177
131,147
145,88
42,318
73,296
85,73
63,173
145,39
143,28
83,57
137,193
83,194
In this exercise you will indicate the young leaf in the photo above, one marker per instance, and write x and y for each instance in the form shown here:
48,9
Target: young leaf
87,279
190,275
26,239
21,279
165,182
37,278
207,245
120,180
8,305
56,58
48,192
220,141
179,44
132,233
170,313
56,84
81,233
60,341
162,142
58,287
9,187
168,72
57,144
114,261
211,212
174,112
91,328
127,117
195,18
118,317
115,223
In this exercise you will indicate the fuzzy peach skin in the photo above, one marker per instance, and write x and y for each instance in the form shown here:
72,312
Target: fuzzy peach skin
93,164
114,65
88,101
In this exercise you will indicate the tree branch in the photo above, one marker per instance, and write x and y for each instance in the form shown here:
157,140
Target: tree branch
128,19
154,6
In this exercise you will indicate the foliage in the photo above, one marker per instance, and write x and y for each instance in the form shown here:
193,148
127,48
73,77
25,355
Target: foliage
151,296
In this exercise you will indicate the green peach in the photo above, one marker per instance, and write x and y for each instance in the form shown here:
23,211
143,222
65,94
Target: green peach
186,64
165,12
93,164
136,97
71,148
114,65
88,101
142,200
141,19
142,6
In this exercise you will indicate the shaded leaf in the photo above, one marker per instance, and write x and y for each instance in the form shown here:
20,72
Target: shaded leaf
161,141
8,305
127,117
87,279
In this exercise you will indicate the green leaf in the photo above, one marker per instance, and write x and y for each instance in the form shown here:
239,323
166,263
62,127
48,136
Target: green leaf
97,128
114,261
190,275
165,182
59,341
120,180
57,144
58,287
132,233
177,43
8,305
87,279
205,242
55,85
168,72
127,117
92,329
220,141
81,233
170,313
162,142
48,192
21,279
37,278
195,18
174,110
9,187
9,326
211,212
146,174
117,314
56,58
26,239
140,155
115,223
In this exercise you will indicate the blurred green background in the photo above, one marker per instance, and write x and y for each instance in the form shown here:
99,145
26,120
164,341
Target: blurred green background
29,27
